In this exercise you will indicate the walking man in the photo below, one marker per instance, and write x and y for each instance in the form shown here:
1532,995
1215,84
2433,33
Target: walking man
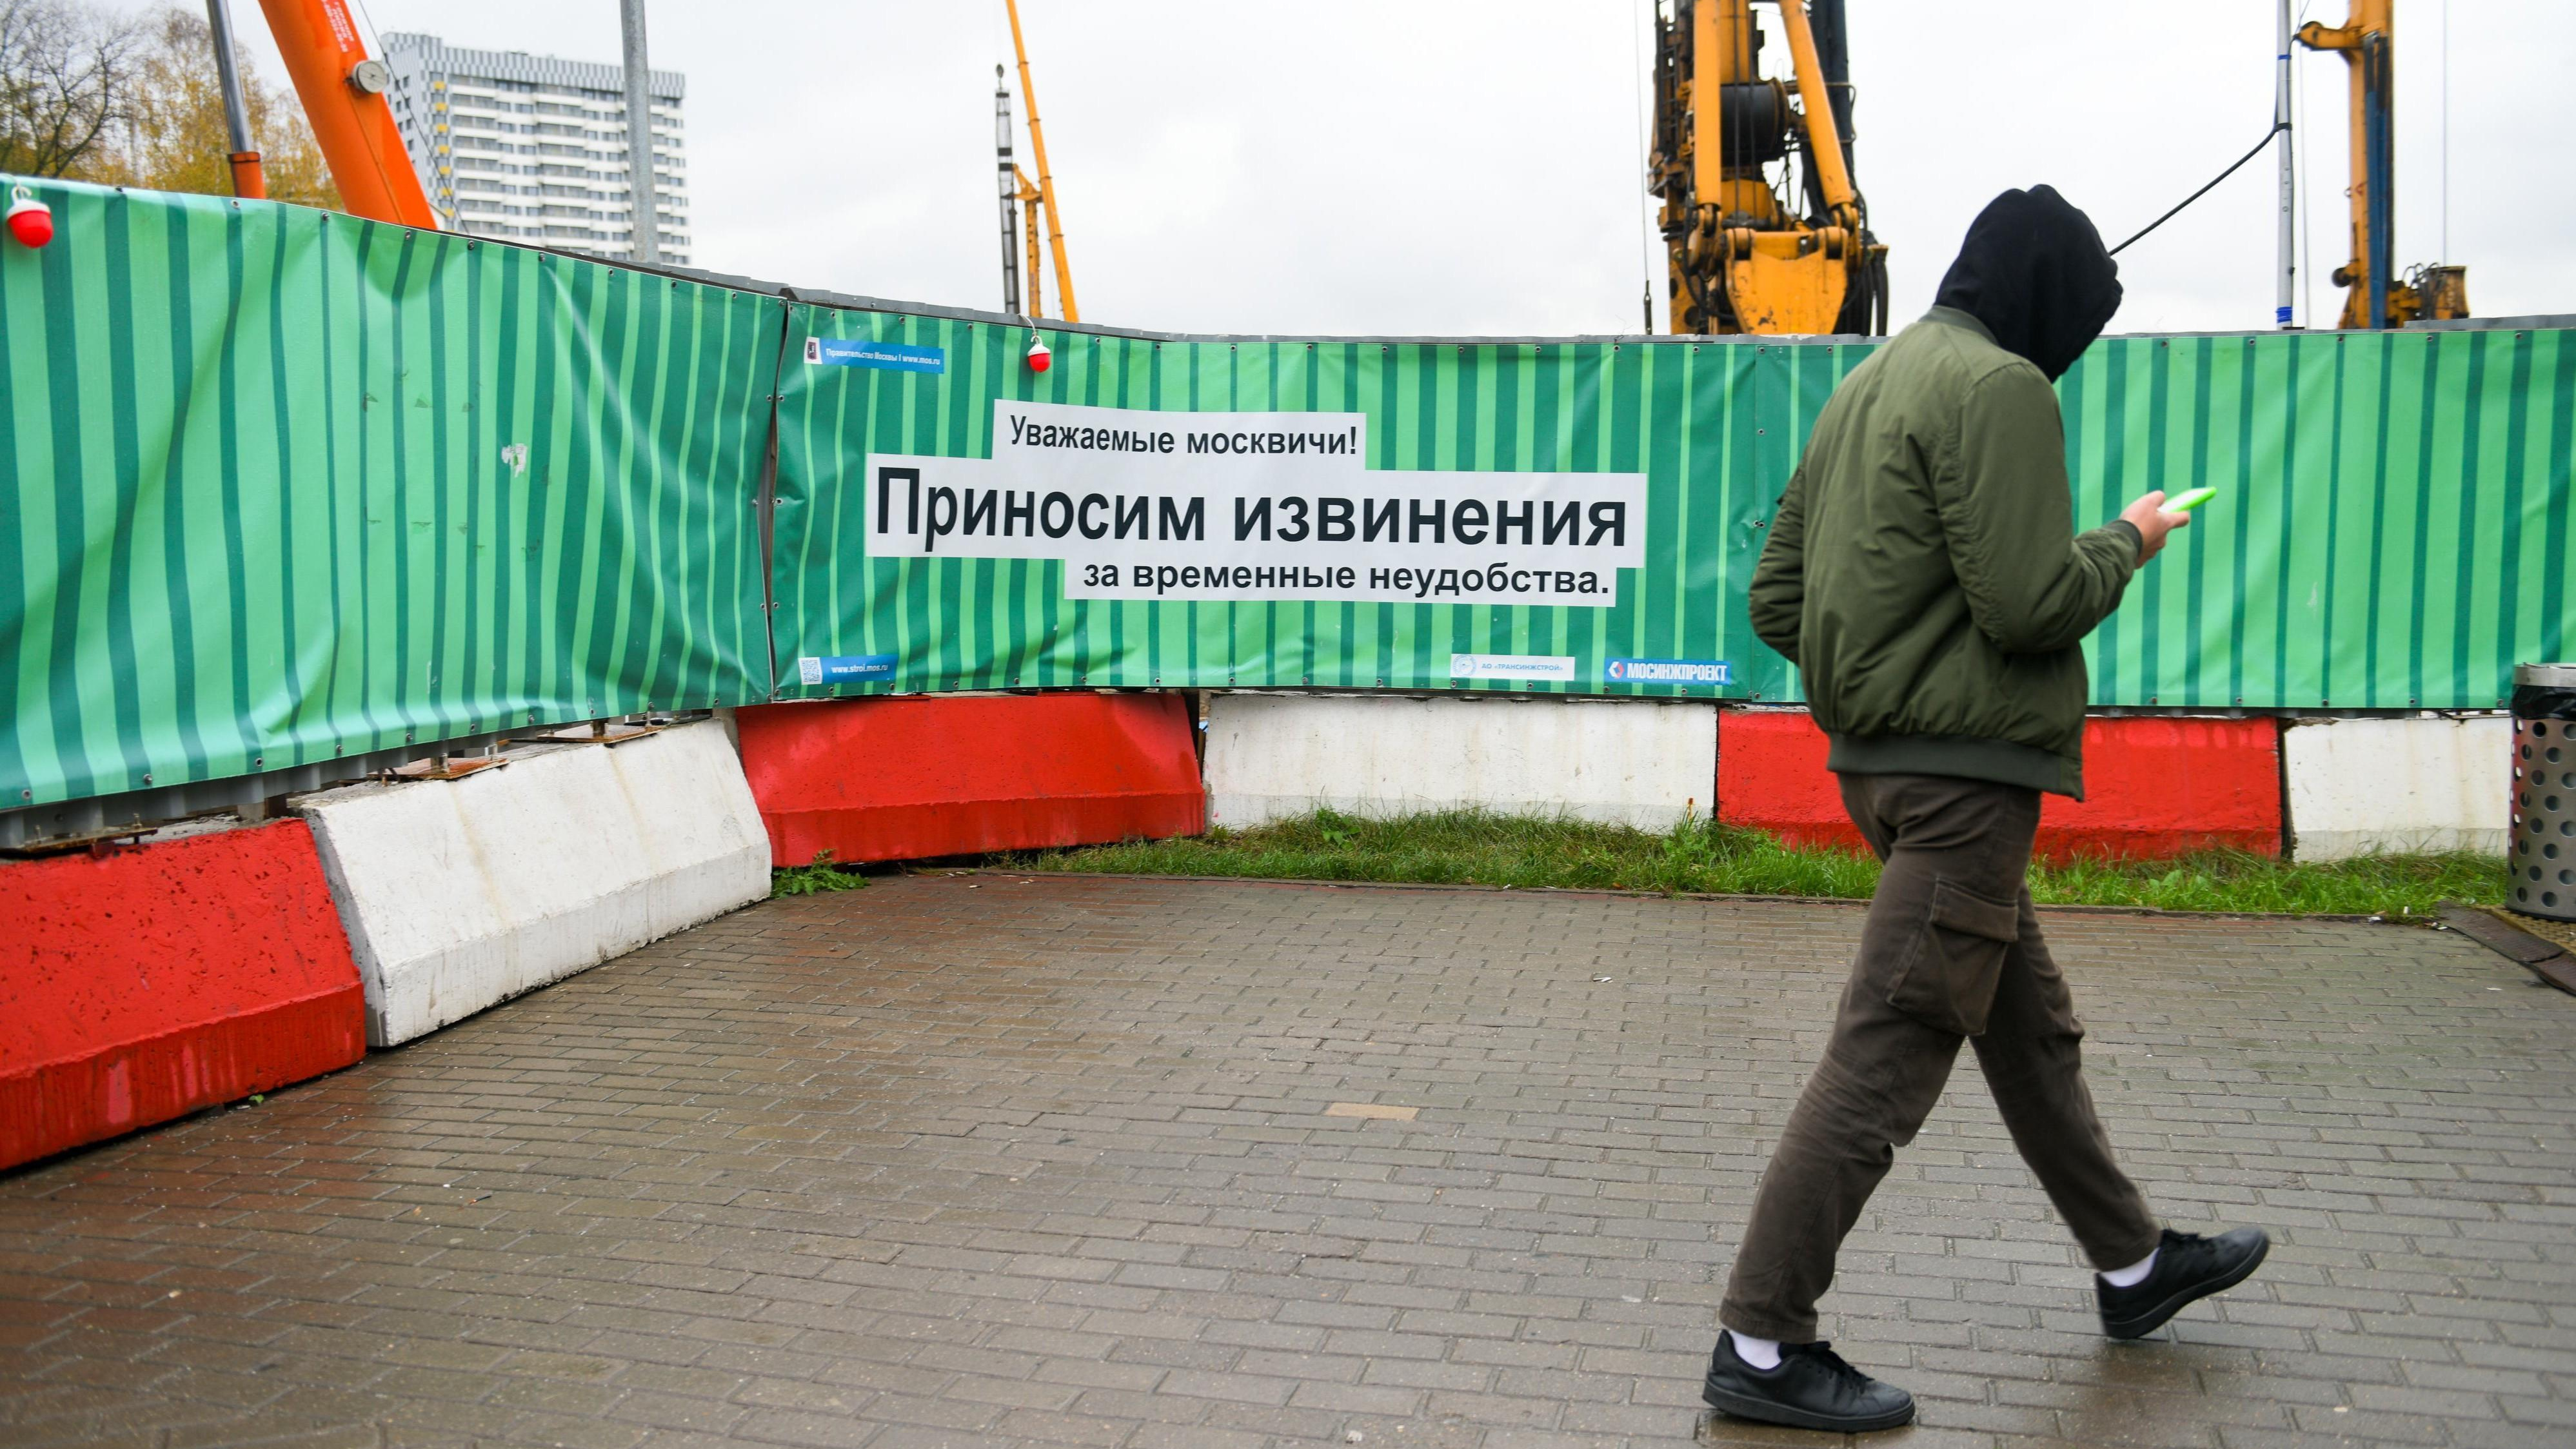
1924,573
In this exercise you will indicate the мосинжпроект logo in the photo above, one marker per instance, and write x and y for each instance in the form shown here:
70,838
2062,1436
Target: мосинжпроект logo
1667,671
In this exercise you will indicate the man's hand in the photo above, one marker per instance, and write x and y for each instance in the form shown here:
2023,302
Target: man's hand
2152,522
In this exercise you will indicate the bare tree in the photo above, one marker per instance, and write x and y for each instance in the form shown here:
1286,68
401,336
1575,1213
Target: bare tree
64,69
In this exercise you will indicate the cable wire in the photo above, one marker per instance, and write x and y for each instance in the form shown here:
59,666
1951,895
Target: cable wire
2259,146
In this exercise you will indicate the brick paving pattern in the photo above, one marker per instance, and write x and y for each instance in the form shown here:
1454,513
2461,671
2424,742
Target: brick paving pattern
967,1161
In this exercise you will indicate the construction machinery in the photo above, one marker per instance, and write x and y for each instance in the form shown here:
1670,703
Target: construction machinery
343,91
1750,247
1037,199
1017,191
1013,182
2375,296
250,178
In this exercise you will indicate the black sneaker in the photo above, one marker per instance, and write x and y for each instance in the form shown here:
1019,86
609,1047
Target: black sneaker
2188,1266
1811,1389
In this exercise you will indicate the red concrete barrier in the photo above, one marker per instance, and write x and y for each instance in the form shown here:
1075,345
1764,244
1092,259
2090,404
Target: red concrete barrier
1771,776
2158,786
147,983
2154,786
909,778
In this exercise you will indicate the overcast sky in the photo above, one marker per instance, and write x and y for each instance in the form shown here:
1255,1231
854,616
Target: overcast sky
1471,166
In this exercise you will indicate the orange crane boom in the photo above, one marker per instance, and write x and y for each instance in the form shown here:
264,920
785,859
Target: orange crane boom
343,91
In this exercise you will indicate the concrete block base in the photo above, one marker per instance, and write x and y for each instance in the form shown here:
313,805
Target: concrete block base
2368,786
155,980
461,894
917,777
1629,762
2154,786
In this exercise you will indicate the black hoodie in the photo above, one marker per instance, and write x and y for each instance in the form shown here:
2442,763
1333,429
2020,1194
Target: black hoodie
2034,271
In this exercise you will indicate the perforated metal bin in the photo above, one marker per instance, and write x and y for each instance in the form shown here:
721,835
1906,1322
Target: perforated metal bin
2543,854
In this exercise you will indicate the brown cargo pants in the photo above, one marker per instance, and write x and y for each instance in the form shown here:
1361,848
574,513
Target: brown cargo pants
1951,951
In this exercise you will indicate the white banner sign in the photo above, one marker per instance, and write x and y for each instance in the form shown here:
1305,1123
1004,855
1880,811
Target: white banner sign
1161,505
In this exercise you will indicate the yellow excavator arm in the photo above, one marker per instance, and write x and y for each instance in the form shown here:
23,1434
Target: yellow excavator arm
1740,256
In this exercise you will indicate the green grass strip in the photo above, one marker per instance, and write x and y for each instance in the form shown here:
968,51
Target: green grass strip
1470,847
822,877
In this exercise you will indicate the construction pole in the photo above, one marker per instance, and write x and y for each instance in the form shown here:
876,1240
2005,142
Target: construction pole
639,134
2288,269
1010,190
1046,178
249,178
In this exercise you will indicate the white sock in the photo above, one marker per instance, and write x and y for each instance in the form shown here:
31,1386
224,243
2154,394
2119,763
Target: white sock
1761,1353
2134,1274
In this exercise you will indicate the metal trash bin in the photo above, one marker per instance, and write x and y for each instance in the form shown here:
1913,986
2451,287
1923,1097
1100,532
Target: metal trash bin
2543,853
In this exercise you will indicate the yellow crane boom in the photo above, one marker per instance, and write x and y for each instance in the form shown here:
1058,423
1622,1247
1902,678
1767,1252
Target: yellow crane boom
2367,40
1045,189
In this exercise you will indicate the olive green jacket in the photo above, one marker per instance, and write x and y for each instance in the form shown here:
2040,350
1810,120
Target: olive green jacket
1924,573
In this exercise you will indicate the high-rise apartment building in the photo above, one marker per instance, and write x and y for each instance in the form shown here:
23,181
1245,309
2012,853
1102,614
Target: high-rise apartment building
533,148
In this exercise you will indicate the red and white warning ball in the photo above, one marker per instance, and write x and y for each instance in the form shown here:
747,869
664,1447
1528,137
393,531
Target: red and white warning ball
30,220
1040,359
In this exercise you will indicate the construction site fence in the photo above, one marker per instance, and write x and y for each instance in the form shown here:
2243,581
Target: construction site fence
287,486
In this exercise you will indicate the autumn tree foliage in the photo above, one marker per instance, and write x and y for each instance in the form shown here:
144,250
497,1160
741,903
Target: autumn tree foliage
90,95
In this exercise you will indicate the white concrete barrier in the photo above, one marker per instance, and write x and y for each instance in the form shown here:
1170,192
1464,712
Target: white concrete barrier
1631,762
461,894
2360,786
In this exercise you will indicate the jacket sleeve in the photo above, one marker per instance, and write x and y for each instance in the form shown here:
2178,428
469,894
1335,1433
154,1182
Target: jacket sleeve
2033,585
1779,589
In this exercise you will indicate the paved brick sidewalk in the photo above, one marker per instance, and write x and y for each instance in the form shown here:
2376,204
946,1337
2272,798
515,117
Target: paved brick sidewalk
978,1161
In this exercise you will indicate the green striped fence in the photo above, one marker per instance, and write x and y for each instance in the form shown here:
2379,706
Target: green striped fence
1691,418
2393,529
286,486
